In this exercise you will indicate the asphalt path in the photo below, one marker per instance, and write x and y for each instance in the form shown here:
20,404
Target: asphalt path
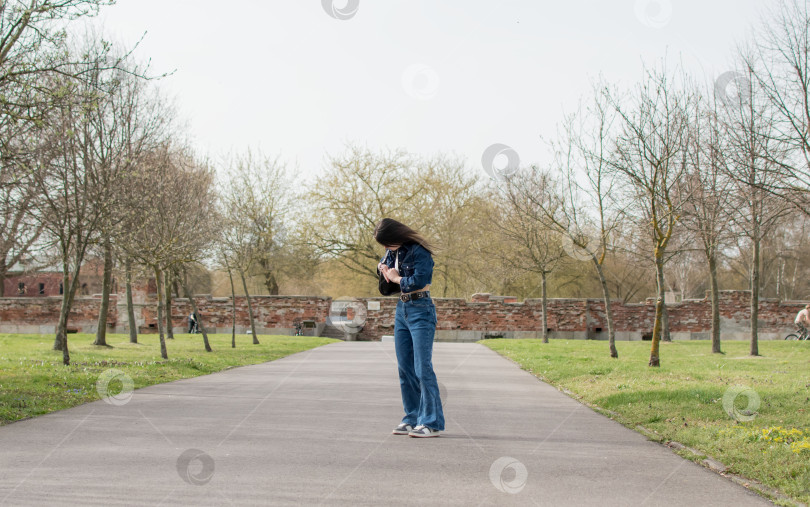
314,428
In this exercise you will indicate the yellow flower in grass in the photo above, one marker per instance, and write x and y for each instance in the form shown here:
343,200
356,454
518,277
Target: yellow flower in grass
800,446
794,437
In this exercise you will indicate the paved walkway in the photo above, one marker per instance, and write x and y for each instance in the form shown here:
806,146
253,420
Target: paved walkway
315,428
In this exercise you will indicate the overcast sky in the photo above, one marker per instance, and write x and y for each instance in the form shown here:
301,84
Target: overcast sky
294,79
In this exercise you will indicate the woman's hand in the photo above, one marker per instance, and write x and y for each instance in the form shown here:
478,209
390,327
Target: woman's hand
383,268
390,274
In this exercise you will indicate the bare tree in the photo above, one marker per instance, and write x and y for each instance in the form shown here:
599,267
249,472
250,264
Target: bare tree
579,205
590,213
524,222
255,205
451,210
262,186
32,59
227,265
177,222
128,121
779,65
69,174
442,200
19,225
754,154
650,157
238,248
707,204
32,41
351,197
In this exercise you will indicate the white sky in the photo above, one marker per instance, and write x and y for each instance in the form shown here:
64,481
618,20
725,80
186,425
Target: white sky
427,76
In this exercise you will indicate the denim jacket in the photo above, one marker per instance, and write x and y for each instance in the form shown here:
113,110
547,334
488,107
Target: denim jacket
415,266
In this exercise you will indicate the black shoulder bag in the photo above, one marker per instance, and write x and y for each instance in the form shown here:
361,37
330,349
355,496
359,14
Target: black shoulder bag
389,288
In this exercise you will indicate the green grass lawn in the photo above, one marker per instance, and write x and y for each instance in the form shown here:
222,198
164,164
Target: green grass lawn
33,380
683,400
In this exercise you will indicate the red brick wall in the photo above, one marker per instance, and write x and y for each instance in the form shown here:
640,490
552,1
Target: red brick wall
269,312
41,314
458,319
581,318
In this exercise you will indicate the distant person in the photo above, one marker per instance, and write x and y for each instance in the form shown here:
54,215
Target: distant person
803,319
192,322
408,262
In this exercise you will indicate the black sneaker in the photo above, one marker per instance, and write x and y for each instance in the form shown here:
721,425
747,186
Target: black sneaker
403,429
422,431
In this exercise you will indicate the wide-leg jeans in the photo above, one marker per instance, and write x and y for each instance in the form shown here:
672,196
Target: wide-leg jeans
414,329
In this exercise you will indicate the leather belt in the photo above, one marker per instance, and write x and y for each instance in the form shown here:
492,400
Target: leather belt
414,295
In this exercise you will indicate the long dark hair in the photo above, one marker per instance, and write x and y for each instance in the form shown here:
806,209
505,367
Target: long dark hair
390,232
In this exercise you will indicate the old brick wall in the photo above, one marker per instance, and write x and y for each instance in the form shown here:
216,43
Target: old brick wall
41,314
488,316
458,319
271,313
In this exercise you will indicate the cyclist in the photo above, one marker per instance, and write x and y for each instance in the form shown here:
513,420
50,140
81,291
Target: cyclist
803,319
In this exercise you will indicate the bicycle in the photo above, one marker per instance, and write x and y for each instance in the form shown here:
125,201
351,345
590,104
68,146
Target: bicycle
802,335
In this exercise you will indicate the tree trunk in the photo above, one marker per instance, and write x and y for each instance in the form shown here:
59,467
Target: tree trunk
270,281
755,293
101,329
159,289
662,292
61,342
715,296
544,296
133,326
61,331
233,308
665,336
68,294
659,309
196,313
3,271
250,308
755,208
167,287
608,312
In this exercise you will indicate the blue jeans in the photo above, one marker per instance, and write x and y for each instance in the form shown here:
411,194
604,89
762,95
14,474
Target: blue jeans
414,327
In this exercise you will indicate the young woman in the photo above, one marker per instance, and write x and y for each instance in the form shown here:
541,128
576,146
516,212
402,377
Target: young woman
408,261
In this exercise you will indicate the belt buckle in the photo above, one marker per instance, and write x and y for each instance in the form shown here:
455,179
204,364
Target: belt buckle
404,298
